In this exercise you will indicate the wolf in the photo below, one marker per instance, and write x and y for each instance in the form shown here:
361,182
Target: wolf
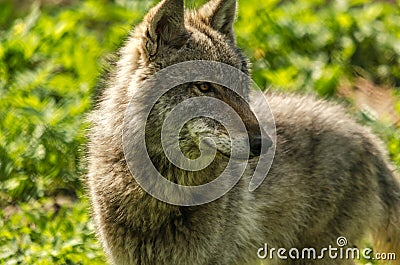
330,177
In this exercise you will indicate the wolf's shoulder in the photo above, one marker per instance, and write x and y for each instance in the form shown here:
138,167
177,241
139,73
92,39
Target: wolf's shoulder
304,121
308,110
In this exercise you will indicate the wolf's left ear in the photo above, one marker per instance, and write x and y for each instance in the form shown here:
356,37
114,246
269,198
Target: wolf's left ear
165,25
220,15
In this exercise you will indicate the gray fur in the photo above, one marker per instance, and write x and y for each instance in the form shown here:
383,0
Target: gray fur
330,175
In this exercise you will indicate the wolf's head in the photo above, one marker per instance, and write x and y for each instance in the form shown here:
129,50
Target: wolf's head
169,35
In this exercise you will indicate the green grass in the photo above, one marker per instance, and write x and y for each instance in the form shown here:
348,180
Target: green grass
44,232
50,60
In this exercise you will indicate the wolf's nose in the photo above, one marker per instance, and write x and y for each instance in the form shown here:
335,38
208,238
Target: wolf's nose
257,142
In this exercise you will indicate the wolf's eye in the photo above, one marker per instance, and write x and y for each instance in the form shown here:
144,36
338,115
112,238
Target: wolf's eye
204,87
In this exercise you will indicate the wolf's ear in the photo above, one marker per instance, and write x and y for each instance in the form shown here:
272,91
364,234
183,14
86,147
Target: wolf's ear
220,15
165,25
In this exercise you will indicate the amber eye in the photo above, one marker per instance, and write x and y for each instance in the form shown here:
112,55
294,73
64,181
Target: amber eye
204,87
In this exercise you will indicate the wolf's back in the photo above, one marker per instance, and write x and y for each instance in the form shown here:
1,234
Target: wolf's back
351,169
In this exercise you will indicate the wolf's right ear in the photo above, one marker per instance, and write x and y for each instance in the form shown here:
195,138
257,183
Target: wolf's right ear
165,25
220,15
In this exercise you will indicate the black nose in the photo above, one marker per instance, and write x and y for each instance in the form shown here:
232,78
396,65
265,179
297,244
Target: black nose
256,144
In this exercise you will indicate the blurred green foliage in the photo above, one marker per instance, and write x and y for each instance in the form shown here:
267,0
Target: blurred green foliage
43,232
311,45
50,60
